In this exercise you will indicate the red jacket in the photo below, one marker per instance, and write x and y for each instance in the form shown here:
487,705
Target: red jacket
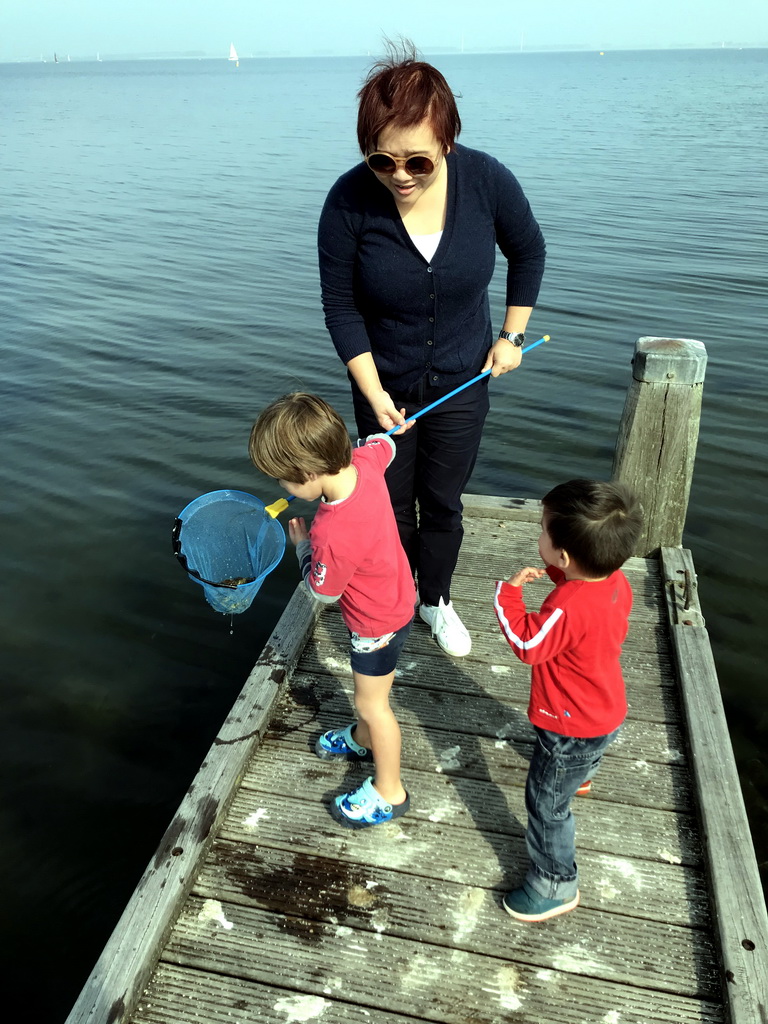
573,645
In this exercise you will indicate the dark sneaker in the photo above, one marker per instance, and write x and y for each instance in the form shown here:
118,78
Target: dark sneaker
365,807
525,904
584,788
337,744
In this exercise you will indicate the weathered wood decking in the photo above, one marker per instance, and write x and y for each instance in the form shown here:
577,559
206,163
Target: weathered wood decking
258,907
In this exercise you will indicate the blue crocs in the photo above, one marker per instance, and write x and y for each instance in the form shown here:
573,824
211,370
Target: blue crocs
525,904
364,807
338,744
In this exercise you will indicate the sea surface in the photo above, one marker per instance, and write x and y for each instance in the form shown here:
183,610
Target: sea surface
159,286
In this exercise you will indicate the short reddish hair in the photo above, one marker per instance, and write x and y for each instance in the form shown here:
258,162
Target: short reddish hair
403,91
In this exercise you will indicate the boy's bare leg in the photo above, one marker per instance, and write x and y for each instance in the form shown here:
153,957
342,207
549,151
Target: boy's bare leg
377,729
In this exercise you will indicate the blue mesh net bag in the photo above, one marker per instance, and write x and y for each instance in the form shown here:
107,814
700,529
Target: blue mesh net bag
228,544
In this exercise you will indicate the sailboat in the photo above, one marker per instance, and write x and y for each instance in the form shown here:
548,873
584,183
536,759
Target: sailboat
233,55
55,58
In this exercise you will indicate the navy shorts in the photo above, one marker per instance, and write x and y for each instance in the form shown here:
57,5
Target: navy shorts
382,661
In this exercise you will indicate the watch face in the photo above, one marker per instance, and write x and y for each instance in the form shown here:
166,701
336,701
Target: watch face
515,339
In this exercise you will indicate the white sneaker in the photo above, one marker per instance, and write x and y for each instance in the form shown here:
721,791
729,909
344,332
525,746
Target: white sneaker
447,628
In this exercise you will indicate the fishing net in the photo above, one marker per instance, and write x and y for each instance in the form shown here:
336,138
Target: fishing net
228,544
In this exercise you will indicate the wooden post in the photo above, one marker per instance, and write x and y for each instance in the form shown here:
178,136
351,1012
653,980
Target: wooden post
659,429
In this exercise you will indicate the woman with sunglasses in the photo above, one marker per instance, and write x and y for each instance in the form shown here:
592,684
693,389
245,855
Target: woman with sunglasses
407,244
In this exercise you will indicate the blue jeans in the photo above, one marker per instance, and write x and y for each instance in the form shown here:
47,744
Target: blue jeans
558,767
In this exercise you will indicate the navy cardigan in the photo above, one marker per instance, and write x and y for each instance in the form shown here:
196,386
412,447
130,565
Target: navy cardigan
381,296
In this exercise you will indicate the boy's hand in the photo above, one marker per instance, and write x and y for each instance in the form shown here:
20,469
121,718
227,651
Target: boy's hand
526,575
297,531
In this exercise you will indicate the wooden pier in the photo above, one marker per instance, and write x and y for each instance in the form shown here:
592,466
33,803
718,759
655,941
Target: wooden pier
259,907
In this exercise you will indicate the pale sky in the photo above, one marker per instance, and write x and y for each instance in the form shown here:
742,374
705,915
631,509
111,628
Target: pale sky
29,28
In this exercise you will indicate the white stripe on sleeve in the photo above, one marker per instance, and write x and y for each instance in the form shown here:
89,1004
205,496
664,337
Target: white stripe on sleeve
510,634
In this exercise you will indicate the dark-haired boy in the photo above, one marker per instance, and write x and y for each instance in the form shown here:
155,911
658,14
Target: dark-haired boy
577,704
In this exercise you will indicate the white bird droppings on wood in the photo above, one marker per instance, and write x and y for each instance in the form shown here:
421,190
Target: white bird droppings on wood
506,988
212,910
253,820
670,858
467,913
301,1008
449,758
576,960
438,815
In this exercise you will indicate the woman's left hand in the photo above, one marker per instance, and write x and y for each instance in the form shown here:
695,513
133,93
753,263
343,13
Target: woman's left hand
502,357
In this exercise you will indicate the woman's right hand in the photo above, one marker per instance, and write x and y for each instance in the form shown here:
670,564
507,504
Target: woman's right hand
387,415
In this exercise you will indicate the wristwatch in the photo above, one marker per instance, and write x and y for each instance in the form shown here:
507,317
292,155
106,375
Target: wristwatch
517,339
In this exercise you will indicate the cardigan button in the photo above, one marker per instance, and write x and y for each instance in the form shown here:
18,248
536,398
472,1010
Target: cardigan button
431,319
429,342
431,295
429,270
434,378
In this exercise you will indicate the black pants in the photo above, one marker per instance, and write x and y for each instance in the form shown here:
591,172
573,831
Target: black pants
434,462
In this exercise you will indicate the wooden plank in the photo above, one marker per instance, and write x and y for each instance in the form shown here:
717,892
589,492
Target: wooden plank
739,904
494,804
478,715
125,965
480,506
177,995
507,681
479,589
639,783
495,551
634,887
429,983
645,658
638,952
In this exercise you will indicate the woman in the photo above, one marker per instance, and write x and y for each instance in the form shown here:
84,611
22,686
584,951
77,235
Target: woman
407,243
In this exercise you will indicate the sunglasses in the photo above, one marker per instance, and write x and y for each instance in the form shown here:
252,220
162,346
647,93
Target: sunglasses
383,163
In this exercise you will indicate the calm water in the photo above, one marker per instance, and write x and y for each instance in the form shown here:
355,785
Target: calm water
159,280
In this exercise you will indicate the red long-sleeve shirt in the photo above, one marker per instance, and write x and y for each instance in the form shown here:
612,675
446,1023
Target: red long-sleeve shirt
573,645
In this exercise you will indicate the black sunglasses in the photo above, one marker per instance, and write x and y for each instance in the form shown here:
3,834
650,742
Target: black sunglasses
383,163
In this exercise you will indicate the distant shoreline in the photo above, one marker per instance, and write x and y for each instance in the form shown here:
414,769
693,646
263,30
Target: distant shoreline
427,51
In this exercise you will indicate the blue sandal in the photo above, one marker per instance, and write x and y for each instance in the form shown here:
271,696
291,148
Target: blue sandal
338,744
364,807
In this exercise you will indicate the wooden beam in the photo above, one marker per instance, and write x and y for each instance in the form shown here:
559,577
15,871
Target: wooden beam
123,970
737,893
658,434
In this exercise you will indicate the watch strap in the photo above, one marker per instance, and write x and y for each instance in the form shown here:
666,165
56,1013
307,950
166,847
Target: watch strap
517,339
